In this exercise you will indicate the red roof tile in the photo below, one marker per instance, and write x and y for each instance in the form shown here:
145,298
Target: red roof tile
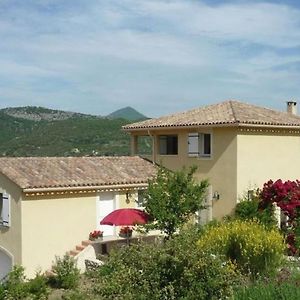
66,172
226,113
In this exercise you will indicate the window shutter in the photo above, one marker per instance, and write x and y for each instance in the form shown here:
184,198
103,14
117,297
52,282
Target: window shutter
5,215
193,142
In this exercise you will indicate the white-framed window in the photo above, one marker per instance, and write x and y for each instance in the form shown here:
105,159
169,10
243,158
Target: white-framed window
199,144
4,210
168,144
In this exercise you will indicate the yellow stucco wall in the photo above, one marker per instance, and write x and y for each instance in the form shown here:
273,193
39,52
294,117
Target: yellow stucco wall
220,169
265,154
122,199
54,226
10,237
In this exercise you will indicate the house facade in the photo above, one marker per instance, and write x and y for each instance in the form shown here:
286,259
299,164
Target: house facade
236,146
49,205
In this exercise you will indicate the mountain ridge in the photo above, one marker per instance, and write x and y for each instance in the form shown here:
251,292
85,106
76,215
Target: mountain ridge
38,113
127,113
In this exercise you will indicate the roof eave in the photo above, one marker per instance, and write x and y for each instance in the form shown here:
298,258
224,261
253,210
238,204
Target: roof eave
270,126
180,127
86,188
235,124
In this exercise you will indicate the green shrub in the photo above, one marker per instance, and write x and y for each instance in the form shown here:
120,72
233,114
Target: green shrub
2,290
38,288
76,295
250,210
171,270
255,249
14,287
268,291
17,287
66,273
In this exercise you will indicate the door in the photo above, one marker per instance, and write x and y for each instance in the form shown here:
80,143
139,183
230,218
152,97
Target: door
5,264
105,204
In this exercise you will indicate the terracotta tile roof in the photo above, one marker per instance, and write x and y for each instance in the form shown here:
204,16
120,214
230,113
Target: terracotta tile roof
66,172
226,113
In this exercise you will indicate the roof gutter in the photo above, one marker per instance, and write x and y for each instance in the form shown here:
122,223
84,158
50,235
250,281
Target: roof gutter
296,127
180,127
86,188
212,125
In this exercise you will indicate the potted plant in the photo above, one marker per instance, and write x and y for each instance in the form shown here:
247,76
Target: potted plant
96,234
125,232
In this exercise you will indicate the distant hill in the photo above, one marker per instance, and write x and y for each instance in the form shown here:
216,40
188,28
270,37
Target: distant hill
127,113
37,131
37,113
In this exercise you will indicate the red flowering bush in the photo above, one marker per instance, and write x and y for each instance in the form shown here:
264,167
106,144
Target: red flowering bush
286,195
95,234
125,231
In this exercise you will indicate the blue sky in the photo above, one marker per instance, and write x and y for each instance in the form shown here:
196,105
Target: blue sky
158,56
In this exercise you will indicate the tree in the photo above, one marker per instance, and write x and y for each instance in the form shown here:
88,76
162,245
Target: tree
172,199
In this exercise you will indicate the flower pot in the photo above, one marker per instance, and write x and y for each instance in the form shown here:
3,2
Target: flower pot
99,238
125,235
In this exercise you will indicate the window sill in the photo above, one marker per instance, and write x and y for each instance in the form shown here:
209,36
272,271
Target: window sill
201,157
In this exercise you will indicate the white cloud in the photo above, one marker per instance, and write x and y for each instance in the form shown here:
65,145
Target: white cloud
143,53
268,24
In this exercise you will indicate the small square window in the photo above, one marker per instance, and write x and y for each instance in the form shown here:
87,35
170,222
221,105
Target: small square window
168,144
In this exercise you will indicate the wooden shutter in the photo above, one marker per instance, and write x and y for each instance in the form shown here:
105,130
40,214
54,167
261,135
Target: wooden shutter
5,212
193,142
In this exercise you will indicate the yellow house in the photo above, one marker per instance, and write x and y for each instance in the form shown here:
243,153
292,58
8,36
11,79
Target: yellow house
237,146
49,205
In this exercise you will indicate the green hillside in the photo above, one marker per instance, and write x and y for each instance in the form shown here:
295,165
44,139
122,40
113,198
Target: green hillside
70,137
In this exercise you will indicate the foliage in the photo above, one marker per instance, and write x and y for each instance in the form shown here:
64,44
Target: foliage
76,295
251,210
268,291
17,287
14,287
170,270
38,287
285,285
76,136
287,196
255,249
172,199
66,273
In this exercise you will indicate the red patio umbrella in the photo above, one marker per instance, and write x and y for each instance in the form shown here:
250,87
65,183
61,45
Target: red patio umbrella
125,216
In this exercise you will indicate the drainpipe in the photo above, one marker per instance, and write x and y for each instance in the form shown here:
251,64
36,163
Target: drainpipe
209,204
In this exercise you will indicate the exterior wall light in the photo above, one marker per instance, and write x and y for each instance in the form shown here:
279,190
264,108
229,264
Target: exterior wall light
128,196
216,195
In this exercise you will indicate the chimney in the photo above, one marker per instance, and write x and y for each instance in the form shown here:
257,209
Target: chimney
292,107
